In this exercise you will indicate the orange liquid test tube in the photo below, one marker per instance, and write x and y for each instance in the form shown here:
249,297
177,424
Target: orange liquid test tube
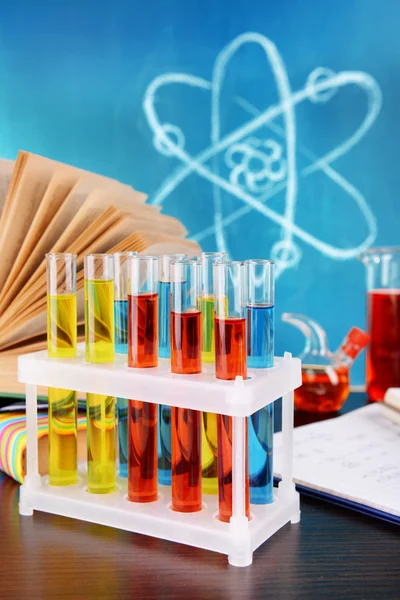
142,353
186,360
230,361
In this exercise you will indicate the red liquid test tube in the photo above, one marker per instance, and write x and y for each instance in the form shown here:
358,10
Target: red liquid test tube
186,360
142,353
230,361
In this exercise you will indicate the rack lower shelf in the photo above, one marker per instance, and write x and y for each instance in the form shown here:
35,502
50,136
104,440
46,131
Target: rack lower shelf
238,399
156,519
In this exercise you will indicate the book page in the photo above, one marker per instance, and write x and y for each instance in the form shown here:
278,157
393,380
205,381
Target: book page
31,320
157,243
167,246
104,234
19,165
354,457
80,233
9,383
90,224
20,207
86,183
6,169
60,185
145,211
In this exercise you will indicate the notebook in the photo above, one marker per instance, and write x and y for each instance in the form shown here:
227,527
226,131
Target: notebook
13,442
352,461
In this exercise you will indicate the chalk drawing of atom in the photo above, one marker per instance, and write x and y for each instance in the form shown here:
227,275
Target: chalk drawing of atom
261,167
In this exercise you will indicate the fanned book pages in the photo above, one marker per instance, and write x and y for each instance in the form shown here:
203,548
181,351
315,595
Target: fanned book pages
47,206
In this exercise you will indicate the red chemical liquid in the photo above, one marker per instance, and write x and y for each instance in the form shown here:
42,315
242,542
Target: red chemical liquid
186,424
230,348
224,435
186,460
142,451
383,355
143,330
142,416
186,343
230,361
324,389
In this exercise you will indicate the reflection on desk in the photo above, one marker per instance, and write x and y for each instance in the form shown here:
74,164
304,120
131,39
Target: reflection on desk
332,553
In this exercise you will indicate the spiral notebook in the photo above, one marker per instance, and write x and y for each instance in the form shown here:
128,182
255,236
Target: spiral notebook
352,461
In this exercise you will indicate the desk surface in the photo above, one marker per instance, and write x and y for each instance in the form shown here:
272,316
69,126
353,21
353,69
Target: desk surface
333,553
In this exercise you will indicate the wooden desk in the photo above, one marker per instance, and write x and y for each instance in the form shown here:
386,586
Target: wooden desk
332,554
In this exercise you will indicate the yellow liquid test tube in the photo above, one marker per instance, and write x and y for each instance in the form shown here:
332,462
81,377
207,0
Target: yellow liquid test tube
62,437
101,443
99,321
61,343
101,409
209,421
207,318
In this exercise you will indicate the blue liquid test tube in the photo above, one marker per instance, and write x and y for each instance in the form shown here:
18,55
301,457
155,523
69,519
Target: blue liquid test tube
260,355
121,347
164,351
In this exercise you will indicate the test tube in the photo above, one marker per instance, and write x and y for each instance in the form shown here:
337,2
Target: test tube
142,353
186,360
164,344
99,308
121,347
121,300
61,343
207,304
99,336
230,362
260,355
209,425
164,351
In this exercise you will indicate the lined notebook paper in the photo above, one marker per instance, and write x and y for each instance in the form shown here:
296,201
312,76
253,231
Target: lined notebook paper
353,460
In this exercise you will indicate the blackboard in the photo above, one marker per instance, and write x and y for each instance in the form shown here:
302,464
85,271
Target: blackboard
269,128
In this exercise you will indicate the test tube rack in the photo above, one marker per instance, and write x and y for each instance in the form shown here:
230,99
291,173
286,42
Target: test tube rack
239,399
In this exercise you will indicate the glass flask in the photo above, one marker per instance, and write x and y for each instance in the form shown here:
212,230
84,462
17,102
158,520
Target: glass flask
325,375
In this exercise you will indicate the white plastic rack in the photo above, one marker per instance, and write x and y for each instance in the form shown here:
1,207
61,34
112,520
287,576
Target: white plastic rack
239,399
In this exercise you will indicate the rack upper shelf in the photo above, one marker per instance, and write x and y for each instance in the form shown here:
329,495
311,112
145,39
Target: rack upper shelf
199,392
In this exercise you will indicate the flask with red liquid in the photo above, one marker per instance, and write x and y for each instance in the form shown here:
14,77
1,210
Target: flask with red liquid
383,306
325,375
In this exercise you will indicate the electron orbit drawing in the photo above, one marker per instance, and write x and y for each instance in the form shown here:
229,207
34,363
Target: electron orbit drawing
261,167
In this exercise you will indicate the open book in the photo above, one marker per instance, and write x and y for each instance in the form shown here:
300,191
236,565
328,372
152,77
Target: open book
47,206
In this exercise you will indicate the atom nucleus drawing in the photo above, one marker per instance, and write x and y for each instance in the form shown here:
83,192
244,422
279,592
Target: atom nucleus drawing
260,167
